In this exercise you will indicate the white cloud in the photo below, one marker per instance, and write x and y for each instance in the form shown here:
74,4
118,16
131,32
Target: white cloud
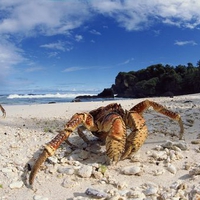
140,14
59,17
34,69
10,55
43,17
61,46
53,54
78,38
126,61
182,43
95,32
22,18
72,69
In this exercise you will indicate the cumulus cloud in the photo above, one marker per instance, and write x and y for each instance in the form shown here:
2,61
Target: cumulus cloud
140,14
43,17
59,17
22,19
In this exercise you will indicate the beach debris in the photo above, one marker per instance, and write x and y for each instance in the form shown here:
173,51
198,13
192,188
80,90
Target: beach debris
95,193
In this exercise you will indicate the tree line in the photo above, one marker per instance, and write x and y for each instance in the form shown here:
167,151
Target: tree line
158,80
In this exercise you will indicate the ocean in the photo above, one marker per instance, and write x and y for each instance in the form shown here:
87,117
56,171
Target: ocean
45,98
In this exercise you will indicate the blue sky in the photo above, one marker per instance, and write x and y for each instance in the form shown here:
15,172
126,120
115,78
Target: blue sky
82,45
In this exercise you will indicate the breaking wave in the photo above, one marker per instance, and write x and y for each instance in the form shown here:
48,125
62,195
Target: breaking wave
37,96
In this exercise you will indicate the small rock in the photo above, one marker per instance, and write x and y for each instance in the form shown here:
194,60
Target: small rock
158,172
131,170
171,145
150,189
16,185
98,175
67,183
122,185
195,171
161,155
84,154
53,159
196,141
136,195
95,193
6,170
37,197
85,171
66,170
171,168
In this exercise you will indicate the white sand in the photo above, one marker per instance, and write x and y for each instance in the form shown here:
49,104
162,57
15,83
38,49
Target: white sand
27,128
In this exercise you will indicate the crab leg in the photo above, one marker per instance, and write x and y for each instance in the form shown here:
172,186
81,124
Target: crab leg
114,125
3,111
49,149
144,105
138,135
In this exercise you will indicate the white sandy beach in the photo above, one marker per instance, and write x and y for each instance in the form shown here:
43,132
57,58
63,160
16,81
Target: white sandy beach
169,172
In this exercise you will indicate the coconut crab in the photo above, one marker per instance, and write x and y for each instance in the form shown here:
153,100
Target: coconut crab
3,111
108,123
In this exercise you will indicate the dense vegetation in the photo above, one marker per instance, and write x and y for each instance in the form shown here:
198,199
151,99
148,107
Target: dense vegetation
158,80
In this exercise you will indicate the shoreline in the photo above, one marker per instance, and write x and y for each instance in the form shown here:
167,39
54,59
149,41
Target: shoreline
27,128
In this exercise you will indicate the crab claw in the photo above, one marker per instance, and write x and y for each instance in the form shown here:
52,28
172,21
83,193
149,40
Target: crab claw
37,165
49,150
